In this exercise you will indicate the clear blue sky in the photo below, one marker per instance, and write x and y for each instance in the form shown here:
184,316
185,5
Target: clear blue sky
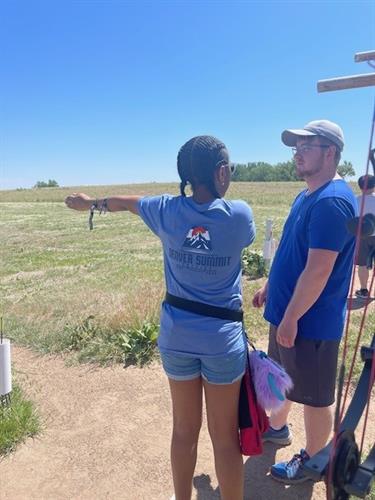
106,91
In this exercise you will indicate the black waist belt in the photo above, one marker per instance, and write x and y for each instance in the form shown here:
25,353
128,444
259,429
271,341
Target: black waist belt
203,309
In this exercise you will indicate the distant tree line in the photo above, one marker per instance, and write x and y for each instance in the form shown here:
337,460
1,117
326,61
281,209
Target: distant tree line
285,171
49,184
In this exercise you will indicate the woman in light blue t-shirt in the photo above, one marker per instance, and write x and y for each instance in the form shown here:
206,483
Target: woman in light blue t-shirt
201,341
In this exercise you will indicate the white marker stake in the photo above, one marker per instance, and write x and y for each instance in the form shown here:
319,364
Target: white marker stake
269,245
5,368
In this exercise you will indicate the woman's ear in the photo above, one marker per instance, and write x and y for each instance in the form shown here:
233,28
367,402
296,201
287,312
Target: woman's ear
220,174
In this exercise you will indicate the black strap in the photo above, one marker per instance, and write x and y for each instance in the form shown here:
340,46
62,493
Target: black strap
203,309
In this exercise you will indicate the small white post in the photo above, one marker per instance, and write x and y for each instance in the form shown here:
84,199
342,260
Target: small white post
5,367
269,245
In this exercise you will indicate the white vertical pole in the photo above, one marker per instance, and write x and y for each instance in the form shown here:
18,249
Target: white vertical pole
5,365
269,243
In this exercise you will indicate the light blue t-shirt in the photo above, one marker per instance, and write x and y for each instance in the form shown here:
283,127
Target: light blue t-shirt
318,221
202,245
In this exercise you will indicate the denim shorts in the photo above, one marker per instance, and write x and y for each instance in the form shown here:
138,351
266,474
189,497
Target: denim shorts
219,370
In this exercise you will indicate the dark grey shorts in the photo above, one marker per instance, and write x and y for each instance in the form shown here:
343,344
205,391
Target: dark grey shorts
366,249
312,366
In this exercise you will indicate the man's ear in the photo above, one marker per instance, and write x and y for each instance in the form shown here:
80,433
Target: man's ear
331,152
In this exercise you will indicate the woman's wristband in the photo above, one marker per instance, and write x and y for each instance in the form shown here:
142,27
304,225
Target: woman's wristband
101,206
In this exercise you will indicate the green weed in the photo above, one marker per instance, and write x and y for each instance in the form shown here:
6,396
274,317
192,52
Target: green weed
17,422
253,264
95,342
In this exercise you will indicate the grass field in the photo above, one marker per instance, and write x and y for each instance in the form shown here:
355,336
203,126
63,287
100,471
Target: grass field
98,293
60,280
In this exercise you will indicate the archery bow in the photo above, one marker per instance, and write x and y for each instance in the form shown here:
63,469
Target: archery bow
339,463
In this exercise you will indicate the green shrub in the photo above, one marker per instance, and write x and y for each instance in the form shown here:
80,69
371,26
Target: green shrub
253,264
43,184
94,342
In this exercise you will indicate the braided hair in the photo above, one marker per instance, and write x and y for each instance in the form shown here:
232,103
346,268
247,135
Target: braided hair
197,161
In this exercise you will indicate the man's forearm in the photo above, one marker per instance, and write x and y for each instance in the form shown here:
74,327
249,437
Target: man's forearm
308,289
311,283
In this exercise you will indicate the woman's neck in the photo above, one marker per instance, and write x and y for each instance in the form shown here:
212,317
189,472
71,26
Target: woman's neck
202,195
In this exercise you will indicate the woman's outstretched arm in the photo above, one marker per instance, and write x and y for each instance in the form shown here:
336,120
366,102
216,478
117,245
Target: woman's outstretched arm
80,201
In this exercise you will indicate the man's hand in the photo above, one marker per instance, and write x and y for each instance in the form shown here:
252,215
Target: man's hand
286,332
260,296
78,201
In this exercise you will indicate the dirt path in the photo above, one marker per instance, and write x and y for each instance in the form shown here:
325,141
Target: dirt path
106,436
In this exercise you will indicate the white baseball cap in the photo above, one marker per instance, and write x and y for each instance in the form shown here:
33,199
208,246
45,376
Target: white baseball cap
321,128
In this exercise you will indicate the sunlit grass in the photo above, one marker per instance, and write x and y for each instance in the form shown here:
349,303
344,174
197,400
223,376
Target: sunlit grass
365,340
17,422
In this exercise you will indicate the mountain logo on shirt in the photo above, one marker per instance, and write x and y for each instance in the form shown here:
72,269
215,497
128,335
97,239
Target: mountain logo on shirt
199,238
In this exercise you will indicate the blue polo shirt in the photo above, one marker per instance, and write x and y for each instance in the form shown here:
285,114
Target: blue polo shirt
202,245
316,220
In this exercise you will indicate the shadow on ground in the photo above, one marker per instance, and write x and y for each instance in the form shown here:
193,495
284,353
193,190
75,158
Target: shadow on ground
258,484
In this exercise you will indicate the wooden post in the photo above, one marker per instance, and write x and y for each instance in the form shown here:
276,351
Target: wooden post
347,82
365,56
351,82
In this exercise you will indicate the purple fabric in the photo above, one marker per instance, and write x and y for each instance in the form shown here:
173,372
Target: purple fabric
270,380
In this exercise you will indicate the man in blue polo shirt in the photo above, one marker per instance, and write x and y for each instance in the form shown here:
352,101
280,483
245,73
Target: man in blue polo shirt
305,296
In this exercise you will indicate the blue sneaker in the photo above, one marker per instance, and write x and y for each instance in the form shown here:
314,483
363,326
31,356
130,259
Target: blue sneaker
281,436
291,472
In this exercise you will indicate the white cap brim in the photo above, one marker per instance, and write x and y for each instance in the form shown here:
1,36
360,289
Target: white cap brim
290,136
